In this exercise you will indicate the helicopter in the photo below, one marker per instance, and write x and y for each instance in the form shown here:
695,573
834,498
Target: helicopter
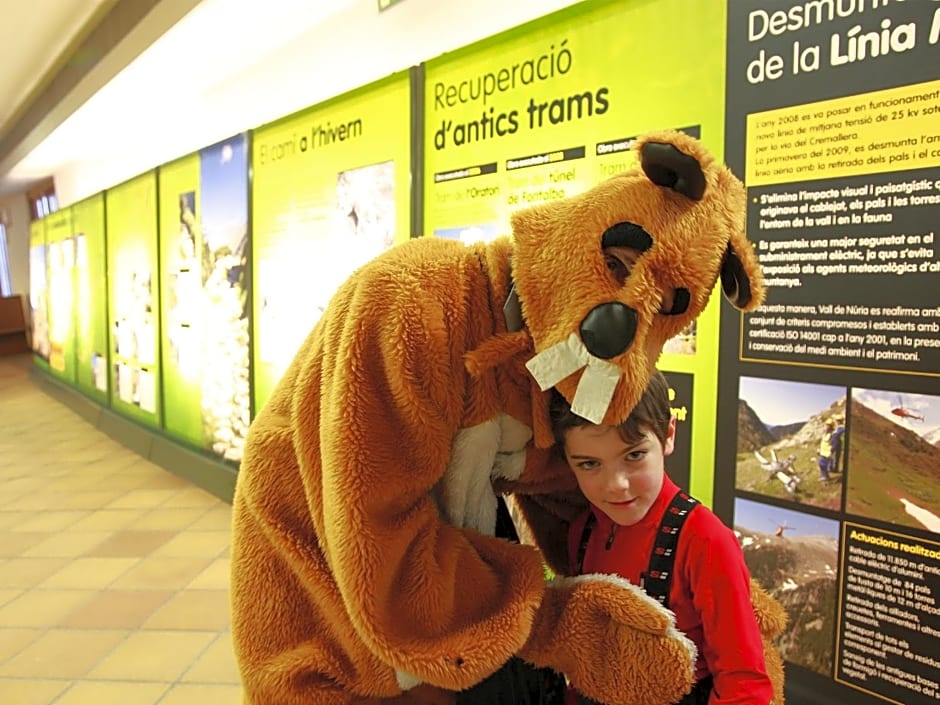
781,528
906,413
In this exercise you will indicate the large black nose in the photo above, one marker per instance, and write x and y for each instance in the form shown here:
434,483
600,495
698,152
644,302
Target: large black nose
608,329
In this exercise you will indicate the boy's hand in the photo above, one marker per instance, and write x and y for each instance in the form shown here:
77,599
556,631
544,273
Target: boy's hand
616,644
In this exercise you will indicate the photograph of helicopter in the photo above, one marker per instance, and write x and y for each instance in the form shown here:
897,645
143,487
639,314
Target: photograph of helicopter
781,528
905,412
895,458
794,555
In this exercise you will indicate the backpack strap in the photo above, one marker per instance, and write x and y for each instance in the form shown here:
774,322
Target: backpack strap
658,576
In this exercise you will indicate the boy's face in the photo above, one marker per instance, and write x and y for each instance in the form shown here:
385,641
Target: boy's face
619,478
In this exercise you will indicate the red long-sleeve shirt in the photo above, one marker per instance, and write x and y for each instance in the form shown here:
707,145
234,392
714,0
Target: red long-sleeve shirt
710,592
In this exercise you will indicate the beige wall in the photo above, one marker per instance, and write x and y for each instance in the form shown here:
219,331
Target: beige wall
15,210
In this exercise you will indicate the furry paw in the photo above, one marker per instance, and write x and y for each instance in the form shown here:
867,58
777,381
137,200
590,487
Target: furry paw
615,643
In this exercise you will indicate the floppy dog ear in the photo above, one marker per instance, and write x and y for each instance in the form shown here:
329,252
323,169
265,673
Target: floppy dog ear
741,278
665,165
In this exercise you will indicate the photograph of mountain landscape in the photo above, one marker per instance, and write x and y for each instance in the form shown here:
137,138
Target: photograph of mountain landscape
795,557
781,427
895,458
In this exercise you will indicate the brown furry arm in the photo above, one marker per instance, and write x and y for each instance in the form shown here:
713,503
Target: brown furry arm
436,603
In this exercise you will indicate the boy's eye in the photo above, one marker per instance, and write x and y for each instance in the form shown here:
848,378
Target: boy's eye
636,455
619,268
588,465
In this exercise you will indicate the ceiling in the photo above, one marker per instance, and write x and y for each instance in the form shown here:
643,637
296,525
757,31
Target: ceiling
93,92
37,33
168,54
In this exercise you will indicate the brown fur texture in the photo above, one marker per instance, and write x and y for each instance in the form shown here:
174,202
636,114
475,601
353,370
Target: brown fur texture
772,620
364,563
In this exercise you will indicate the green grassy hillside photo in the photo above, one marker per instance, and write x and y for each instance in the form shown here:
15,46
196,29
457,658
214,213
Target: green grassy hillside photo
893,471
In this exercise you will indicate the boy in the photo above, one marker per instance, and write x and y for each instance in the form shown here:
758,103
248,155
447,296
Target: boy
621,472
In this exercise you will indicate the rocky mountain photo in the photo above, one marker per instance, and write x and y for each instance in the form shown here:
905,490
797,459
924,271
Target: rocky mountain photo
799,571
752,433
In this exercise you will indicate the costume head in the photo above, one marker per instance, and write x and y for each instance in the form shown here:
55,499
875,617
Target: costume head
598,338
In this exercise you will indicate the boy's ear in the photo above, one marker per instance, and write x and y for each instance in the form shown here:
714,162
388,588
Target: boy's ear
670,444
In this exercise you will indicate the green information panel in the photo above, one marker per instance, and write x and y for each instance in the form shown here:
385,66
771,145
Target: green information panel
91,299
204,266
60,265
181,298
38,293
133,307
330,191
549,109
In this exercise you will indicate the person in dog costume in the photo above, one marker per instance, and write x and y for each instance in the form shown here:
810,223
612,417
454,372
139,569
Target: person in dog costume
366,565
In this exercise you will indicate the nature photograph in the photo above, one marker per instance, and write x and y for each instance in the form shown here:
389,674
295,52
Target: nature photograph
791,437
39,301
223,236
894,454
795,556
470,234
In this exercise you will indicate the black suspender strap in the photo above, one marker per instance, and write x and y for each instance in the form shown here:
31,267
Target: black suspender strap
658,576
585,539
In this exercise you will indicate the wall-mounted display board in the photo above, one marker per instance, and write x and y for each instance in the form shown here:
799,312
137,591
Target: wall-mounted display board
204,255
330,191
38,293
60,265
829,403
91,298
681,394
133,304
551,108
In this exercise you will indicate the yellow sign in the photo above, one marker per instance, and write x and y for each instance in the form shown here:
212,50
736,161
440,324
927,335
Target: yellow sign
550,109
330,191
897,129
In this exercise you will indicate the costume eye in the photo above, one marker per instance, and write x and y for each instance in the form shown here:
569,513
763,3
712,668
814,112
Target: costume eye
675,302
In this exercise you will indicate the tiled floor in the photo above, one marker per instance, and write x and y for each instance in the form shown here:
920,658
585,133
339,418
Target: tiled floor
113,572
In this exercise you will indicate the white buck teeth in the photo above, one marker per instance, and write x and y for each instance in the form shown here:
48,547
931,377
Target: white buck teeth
597,384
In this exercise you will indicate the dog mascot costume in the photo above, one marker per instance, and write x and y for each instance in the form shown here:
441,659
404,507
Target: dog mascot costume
365,564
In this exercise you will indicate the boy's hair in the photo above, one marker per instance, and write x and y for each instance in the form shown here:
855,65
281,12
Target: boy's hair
651,412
